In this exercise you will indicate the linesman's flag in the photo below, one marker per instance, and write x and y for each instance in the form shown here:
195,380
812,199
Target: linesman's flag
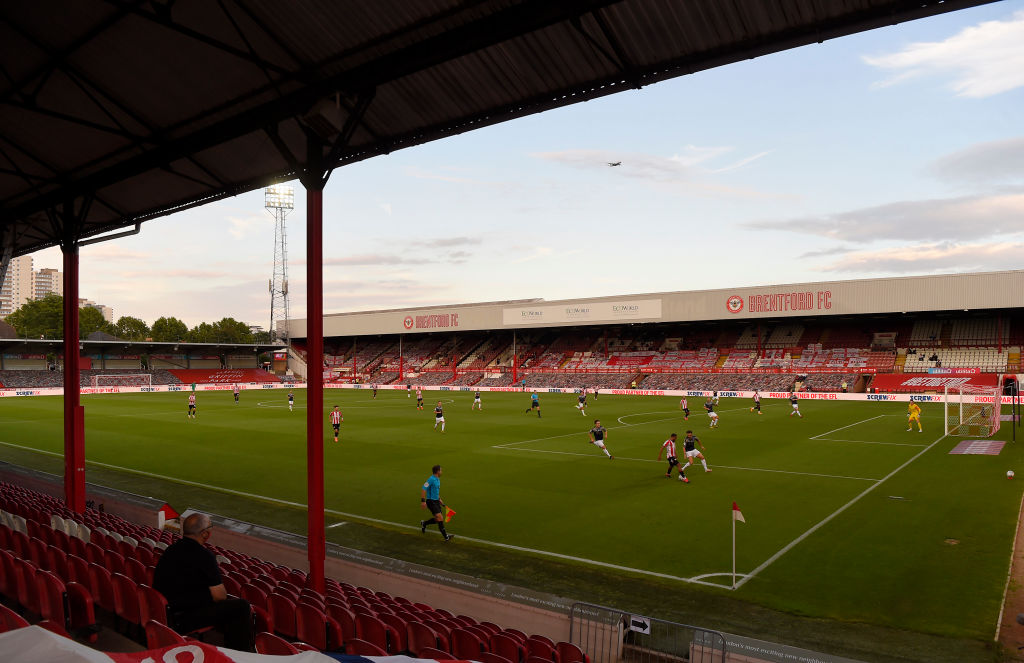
737,514
448,513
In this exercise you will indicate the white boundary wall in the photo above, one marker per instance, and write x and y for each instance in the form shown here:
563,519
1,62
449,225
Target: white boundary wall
691,393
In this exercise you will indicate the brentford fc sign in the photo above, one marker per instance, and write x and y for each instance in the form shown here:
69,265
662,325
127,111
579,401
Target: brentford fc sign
734,304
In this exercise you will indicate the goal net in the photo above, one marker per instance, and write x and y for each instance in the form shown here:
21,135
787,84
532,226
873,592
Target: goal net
972,411
123,380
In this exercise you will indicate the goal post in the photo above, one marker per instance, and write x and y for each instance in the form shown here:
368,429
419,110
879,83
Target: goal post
972,411
122,380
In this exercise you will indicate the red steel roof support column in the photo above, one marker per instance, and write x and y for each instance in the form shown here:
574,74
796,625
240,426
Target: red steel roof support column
316,538
74,413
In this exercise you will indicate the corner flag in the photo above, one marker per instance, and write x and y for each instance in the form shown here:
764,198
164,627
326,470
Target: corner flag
736,515
448,513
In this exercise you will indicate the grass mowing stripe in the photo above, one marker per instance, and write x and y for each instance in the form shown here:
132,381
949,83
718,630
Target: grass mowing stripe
1009,573
789,546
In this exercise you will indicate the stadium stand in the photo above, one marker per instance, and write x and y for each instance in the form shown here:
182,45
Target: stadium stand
70,571
17,379
223,376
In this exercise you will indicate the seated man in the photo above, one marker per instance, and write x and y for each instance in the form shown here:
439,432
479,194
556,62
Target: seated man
189,578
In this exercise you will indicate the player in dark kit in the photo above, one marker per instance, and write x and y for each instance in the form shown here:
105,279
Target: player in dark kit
374,390
439,416
581,402
477,403
597,436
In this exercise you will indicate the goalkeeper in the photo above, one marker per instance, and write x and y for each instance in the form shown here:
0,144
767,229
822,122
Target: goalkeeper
914,414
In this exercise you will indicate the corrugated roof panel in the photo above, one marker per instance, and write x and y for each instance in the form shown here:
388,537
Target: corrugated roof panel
209,79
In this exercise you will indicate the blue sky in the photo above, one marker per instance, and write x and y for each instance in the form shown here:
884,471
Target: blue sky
898,151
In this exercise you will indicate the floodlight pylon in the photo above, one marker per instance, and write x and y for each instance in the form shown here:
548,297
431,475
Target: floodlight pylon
279,201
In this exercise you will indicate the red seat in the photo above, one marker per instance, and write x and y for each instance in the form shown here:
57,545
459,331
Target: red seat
359,647
270,644
466,644
8,586
541,647
488,657
58,562
152,605
316,628
491,627
400,641
10,620
161,635
126,599
346,619
114,562
537,659
69,605
136,570
282,611
25,582
570,653
54,627
95,555
102,588
444,633
78,571
233,587
507,646
255,596
37,553
420,636
372,629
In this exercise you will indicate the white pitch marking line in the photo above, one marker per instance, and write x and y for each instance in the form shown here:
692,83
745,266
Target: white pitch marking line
337,524
892,444
496,544
856,423
789,546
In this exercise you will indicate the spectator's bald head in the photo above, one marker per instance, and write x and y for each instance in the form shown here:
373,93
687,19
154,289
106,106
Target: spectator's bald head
194,524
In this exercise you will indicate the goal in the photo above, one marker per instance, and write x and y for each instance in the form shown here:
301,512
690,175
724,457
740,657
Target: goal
972,411
123,380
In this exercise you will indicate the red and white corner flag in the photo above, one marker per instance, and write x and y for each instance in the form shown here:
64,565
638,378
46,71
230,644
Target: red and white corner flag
737,514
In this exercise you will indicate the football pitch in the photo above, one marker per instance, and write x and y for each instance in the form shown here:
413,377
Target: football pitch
849,517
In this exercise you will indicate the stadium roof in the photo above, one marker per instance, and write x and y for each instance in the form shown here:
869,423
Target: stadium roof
959,294
118,111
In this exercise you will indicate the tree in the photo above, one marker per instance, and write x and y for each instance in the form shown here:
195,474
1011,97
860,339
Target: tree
169,330
229,330
91,320
39,318
201,333
132,329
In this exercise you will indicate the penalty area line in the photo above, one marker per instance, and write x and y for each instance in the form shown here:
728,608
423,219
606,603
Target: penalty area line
856,423
792,544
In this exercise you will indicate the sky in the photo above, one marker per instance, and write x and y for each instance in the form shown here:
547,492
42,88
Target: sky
894,152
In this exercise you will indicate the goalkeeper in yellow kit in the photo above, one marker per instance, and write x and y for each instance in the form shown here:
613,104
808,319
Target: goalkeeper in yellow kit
914,414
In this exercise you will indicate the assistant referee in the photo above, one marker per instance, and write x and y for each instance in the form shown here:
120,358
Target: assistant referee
430,498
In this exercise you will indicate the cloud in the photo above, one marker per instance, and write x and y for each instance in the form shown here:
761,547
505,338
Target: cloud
680,171
386,207
943,256
373,259
839,250
107,252
242,226
205,274
983,163
452,241
969,217
983,60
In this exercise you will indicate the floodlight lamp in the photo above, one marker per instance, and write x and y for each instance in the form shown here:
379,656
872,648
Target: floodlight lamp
279,196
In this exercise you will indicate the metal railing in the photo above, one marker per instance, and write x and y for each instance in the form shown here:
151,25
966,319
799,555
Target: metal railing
609,635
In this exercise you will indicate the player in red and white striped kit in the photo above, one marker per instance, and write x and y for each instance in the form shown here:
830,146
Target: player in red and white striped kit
669,445
336,420
192,405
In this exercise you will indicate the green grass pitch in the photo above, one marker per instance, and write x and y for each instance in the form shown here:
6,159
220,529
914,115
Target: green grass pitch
848,516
